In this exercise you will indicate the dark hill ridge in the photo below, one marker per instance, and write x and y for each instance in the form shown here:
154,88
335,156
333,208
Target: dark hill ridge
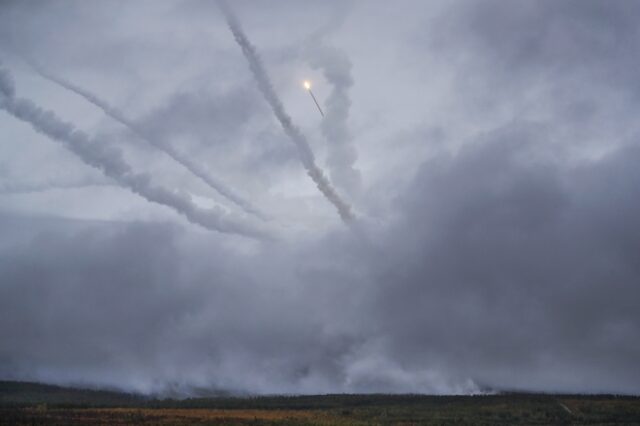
29,393
34,403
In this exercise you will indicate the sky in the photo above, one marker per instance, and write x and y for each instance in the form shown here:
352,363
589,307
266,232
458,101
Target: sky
162,228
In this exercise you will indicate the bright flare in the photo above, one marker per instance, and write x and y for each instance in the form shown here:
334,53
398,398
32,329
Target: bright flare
307,85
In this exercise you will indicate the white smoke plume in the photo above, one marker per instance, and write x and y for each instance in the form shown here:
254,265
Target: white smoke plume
195,168
264,84
342,154
111,162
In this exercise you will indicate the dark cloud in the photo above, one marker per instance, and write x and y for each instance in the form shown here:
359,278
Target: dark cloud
513,265
549,37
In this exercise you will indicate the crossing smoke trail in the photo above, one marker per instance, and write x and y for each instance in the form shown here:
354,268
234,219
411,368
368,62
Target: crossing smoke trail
110,161
166,147
265,86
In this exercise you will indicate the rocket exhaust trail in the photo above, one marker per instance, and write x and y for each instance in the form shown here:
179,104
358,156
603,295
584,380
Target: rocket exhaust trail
26,188
307,86
110,161
297,137
317,104
193,167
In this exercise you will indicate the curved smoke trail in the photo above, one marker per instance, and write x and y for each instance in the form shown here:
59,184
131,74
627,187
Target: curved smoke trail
111,162
264,84
342,155
164,146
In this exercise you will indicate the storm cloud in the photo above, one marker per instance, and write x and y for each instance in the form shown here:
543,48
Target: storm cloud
498,148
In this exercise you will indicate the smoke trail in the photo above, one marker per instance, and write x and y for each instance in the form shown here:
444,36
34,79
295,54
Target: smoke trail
30,187
110,161
265,86
342,155
164,146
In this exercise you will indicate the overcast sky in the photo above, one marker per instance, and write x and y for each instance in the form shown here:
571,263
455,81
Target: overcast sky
489,151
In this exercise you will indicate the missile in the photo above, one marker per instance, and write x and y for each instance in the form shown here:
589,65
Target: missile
307,85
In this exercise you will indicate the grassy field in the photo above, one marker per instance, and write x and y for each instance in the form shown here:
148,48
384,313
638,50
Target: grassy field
36,404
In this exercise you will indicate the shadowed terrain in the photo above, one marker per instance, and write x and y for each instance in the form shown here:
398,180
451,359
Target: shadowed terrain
31,403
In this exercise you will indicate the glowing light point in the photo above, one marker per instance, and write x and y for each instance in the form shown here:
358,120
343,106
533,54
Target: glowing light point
307,85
